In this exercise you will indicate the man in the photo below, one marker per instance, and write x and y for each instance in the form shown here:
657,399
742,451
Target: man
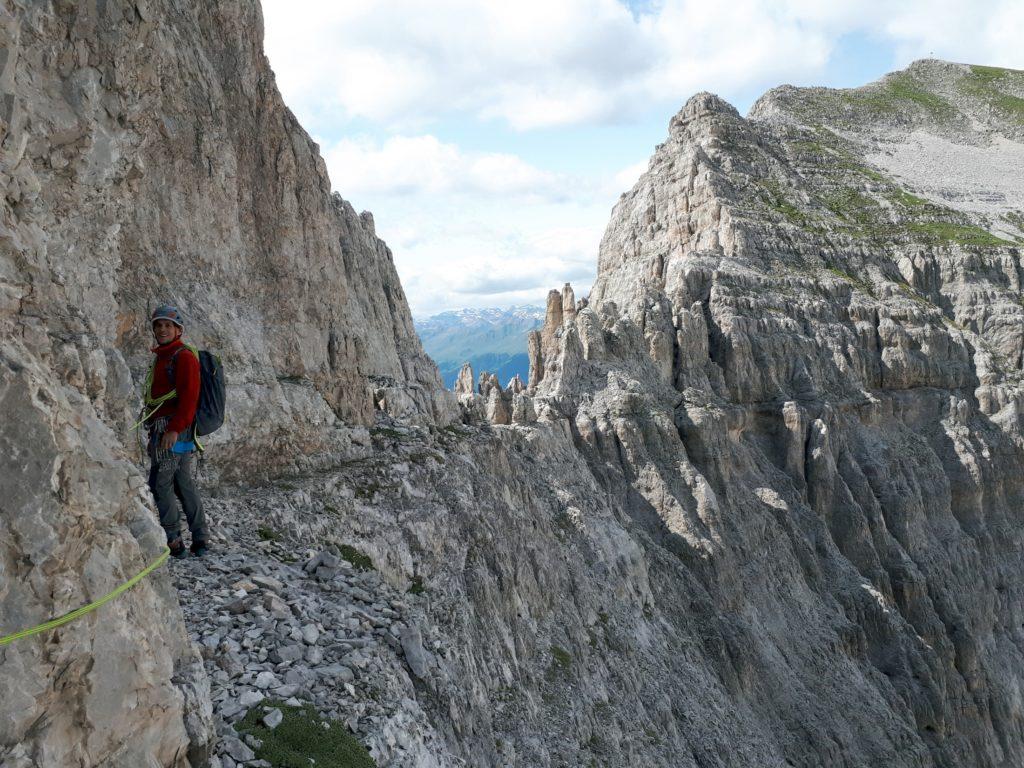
172,394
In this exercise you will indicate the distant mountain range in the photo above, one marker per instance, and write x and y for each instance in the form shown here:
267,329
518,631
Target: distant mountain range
492,340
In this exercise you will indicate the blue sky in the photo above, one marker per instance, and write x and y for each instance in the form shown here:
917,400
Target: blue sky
491,140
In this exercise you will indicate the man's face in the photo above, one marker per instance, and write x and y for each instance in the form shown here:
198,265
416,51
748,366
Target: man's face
165,331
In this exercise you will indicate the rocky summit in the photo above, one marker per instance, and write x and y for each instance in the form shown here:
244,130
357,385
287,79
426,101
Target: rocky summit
758,504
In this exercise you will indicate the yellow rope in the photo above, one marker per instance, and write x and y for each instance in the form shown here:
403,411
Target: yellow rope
156,407
79,612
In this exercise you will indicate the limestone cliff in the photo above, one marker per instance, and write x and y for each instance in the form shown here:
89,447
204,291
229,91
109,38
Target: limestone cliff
146,157
760,502
799,376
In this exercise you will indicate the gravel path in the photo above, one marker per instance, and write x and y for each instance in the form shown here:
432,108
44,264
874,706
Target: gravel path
276,622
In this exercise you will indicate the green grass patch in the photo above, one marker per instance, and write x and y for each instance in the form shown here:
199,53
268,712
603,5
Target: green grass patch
1016,218
304,739
360,560
961,234
564,525
871,173
862,215
394,434
777,201
913,295
954,324
988,75
895,94
983,82
859,283
267,534
907,200
903,87
561,658
422,458
561,663
813,147
852,205
837,154
368,489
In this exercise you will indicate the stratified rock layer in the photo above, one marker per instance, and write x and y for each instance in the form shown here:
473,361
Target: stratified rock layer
800,375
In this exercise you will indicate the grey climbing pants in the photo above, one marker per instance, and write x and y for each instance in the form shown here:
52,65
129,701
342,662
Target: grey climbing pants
173,475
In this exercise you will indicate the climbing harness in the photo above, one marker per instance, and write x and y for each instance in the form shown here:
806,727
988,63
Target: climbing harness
79,612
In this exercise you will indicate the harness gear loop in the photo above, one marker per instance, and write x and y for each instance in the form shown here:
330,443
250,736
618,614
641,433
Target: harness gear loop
154,403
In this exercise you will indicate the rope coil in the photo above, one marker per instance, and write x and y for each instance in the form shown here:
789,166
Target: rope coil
79,612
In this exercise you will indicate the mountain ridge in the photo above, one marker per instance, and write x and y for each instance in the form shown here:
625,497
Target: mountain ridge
491,339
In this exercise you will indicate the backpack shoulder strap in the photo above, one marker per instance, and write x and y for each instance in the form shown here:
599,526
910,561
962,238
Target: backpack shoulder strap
173,360
170,365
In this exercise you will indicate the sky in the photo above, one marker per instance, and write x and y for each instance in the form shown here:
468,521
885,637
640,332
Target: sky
490,140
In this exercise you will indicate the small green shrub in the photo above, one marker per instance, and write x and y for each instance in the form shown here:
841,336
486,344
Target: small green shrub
417,587
304,739
360,560
561,657
267,534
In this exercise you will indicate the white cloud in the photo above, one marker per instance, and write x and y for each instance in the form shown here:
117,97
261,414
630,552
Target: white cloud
411,165
491,265
474,229
536,63
973,33
624,180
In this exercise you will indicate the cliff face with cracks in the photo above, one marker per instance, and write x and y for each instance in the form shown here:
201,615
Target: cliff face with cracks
146,157
800,375
759,503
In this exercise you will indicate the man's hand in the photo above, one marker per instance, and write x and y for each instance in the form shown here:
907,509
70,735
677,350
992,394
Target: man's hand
168,440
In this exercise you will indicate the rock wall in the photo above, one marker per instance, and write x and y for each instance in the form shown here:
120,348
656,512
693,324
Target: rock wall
766,508
152,160
799,374
146,157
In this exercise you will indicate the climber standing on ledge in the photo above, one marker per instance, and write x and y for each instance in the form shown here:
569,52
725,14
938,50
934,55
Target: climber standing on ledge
172,395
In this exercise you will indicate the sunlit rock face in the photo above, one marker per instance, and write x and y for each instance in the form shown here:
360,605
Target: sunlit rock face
800,370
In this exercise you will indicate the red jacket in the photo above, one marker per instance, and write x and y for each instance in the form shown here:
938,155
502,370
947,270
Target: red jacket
181,409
